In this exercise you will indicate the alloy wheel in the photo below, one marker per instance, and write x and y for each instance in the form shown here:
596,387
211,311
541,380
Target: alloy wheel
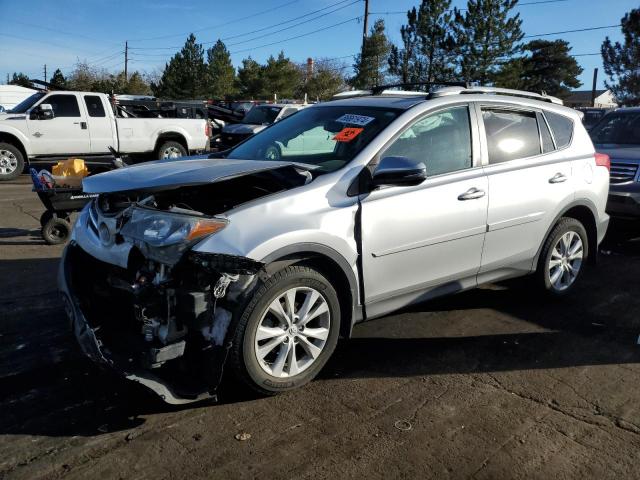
171,152
8,162
292,332
566,260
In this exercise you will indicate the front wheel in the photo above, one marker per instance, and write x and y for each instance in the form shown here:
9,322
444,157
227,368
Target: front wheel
11,162
563,257
287,331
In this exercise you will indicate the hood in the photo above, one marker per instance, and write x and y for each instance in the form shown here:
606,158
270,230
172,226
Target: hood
243,128
166,174
620,151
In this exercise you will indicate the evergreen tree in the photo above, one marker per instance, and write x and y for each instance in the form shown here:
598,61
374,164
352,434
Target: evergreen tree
622,61
221,74
184,77
436,43
370,65
136,85
250,82
485,35
280,77
58,80
406,63
549,67
326,81
20,79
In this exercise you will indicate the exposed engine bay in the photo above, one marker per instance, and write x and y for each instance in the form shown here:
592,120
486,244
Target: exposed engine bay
161,313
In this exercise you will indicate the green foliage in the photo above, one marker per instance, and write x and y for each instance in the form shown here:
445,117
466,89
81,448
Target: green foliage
20,79
87,79
281,77
326,81
249,81
549,68
370,65
622,61
428,49
185,76
221,76
58,80
485,36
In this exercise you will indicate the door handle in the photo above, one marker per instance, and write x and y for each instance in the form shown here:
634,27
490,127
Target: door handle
83,125
471,194
558,178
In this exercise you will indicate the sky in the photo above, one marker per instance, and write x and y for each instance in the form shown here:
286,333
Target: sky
59,33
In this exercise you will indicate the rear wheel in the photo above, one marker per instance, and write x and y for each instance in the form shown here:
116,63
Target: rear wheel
287,331
171,149
56,230
563,257
11,162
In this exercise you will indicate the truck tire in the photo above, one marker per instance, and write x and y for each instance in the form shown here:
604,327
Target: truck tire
171,149
11,162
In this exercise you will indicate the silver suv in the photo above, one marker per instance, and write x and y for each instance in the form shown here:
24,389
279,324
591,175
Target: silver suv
262,256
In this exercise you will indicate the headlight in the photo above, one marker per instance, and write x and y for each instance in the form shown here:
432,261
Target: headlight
164,236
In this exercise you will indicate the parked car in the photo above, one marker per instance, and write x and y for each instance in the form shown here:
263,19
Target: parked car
262,260
47,127
618,135
592,116
256,120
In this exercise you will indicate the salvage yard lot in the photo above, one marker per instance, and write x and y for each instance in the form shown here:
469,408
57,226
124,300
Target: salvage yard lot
493,383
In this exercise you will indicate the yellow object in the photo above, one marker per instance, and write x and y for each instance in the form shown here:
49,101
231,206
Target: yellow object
71,167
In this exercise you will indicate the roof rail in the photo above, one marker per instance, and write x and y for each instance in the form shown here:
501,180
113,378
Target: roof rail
495,91
377,90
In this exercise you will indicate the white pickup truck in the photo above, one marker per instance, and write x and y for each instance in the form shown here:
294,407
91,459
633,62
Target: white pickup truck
47,127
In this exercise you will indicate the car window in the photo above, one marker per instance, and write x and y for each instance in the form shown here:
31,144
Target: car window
261,115
441,140
63,105
620,128
562,128
94,106
288,111
545,135
510,134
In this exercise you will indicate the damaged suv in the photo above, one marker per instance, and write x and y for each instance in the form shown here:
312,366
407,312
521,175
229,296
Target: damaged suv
257,259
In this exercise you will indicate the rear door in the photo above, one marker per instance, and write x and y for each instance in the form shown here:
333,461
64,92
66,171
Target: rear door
66,133
529,178
101,124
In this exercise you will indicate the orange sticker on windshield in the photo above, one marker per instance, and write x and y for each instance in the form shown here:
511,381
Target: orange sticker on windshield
347,134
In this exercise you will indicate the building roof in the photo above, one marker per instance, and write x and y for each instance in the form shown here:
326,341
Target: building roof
580,96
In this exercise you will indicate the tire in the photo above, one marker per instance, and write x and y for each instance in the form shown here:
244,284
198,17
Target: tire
171,150
45,217
56,230
560,277
273,152
11,162
277,372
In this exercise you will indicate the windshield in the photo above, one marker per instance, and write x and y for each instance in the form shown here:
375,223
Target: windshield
261,115
326,136
621,128
27,103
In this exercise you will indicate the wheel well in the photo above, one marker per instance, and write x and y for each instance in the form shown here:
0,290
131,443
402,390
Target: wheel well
171,136
330,269
15,141
585,216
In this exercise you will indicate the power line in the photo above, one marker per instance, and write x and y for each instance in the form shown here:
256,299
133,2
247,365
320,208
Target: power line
571,31
229,22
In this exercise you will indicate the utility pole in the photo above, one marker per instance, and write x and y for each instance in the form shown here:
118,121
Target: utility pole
593,89
45,72
366,23
126,60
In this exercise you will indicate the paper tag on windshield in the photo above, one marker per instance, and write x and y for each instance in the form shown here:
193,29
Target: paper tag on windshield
347,134
352,119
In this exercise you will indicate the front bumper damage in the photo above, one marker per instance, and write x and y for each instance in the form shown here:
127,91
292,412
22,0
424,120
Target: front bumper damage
161,367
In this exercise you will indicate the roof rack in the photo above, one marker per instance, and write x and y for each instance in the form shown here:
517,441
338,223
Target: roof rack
495,91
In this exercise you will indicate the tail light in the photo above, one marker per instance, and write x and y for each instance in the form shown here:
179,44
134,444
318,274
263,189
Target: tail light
207,131
603,160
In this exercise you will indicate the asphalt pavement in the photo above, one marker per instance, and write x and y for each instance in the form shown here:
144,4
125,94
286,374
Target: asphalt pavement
493,383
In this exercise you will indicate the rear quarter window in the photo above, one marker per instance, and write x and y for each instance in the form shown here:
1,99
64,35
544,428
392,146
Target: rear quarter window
561,127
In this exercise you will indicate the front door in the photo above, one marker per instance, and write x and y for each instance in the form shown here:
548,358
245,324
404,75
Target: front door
65,134
419,239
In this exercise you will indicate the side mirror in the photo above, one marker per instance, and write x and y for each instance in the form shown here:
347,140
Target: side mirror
44,111
399,172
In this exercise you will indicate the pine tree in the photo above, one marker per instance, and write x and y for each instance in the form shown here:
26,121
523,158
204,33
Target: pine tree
184,77
622,61
136,85
280,77
20,79
406,63
58,80
485,37
436,43
370,65
221,74
250,82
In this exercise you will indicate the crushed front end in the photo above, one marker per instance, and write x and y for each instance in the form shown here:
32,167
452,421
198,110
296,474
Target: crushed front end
142,301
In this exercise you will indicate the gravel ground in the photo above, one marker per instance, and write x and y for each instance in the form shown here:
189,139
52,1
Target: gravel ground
492,383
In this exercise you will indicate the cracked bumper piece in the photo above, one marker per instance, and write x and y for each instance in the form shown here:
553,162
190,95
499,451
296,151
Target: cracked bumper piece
111,339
